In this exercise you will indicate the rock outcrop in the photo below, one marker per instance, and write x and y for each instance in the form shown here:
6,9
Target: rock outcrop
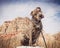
13,33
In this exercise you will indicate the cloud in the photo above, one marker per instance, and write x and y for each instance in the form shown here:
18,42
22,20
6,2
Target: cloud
50,23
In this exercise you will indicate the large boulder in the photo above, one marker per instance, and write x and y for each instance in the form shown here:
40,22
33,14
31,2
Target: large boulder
17,25
13,33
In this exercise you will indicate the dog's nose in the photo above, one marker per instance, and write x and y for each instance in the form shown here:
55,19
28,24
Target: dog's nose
42,16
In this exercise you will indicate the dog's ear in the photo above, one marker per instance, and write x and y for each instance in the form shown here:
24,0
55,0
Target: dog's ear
31,13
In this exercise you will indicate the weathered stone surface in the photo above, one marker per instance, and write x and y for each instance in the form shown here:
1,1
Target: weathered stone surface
18,24
12,33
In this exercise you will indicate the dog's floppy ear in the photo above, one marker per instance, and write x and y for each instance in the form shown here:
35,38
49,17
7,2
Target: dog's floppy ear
31,13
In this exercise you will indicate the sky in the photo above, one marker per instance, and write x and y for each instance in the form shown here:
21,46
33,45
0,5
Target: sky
10,9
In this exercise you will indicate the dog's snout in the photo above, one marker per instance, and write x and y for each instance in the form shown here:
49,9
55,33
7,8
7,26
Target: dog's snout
42,16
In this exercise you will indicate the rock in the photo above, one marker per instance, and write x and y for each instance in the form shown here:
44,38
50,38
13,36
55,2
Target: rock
13,33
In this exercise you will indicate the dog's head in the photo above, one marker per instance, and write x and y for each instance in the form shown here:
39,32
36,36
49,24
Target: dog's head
37,13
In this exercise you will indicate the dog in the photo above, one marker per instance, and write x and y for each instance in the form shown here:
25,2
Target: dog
36,19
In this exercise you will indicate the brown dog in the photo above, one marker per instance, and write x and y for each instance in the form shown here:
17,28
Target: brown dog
36,19
37,14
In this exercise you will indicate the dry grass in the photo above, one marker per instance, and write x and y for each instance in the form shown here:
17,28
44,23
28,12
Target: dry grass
51,41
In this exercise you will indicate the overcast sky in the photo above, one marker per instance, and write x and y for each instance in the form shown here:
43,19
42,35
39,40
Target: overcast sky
10,9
